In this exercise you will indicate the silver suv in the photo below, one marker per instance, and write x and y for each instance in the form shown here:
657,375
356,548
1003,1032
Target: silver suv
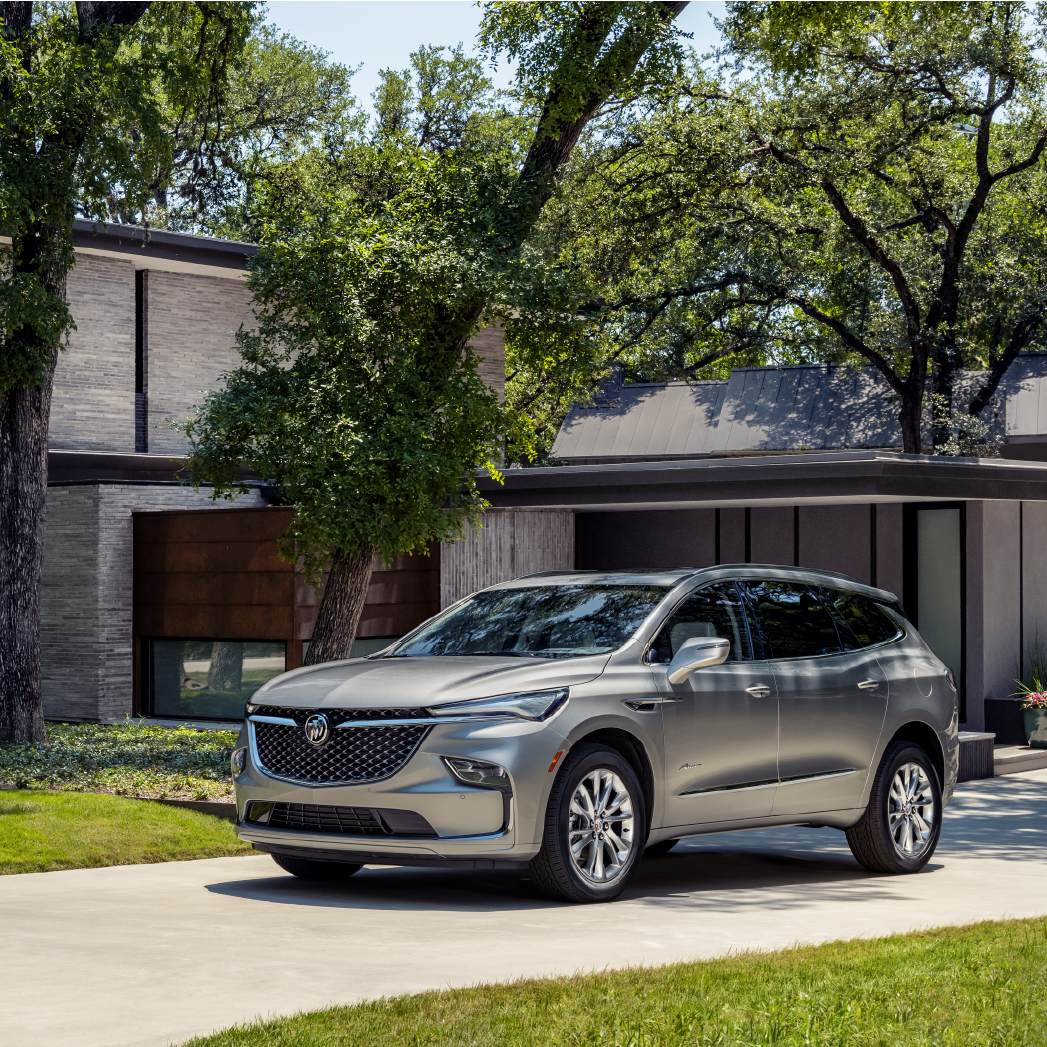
566,722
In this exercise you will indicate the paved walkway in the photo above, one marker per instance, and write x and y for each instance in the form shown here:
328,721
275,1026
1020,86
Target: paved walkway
151,955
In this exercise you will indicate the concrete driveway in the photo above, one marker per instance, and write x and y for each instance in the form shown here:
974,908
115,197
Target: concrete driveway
151,955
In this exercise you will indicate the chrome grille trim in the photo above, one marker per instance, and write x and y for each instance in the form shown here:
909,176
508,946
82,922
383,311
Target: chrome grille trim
372,751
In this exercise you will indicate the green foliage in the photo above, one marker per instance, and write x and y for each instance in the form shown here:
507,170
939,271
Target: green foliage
352,395
82,109
46,831
133,758
962,986
864,183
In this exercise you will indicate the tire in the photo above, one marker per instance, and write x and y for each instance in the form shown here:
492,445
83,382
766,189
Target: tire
310,869
897,835
656,850
604,787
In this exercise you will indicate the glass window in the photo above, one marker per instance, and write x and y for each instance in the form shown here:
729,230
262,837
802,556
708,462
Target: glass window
209,679
861,621
546,621
792,622
713,611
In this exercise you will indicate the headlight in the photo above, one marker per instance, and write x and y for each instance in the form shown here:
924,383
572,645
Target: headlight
536,705
950,677
478,772
238,761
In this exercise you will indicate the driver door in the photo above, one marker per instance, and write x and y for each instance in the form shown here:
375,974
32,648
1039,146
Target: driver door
720,727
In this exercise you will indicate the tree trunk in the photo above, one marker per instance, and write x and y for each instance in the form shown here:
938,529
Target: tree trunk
910,418
340,608
24,417
227,666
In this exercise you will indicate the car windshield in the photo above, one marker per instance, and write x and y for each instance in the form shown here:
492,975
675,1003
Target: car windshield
541,621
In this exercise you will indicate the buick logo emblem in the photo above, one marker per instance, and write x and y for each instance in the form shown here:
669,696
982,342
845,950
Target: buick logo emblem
317,729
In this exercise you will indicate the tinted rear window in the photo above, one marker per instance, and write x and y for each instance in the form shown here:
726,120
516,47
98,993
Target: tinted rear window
549,621
862,621
791,620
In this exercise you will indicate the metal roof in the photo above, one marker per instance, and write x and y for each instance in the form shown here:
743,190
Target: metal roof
813,407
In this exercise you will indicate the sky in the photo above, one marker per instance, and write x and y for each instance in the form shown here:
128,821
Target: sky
381,34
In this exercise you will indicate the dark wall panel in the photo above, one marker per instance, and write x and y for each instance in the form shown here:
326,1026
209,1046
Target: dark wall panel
659,538
889,547
732,536
771,535
836,538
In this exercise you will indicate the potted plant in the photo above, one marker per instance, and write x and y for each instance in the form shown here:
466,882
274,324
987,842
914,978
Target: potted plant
1034,713
1033,692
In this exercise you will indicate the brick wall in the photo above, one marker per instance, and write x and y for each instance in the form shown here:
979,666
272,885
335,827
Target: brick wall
86,596
190,340
93,403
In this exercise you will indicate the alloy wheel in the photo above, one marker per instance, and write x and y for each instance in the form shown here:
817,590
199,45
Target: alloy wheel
601,828
911,810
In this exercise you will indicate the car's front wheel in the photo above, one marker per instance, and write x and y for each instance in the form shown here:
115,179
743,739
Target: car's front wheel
595,826
311,869
899,830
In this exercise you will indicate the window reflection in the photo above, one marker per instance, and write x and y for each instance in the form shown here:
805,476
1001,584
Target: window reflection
549,621
791,619
208,679
713,611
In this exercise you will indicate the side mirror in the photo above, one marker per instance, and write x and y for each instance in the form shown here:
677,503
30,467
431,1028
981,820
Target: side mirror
696,654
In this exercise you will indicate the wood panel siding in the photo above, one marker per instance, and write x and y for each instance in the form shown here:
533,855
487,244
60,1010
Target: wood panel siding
511,543
219,575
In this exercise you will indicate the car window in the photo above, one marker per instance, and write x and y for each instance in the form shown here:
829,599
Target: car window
713,611
791,620
862,622
544,621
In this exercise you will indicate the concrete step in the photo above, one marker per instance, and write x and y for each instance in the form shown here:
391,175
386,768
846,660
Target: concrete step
1008,759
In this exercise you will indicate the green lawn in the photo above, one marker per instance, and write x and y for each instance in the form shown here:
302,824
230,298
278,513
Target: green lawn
41,831
980,986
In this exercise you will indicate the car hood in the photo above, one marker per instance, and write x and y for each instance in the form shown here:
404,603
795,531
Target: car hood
414,683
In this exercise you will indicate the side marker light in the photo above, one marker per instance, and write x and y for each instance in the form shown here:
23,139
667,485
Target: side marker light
556,760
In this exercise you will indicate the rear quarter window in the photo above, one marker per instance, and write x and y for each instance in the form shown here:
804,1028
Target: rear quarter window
868,624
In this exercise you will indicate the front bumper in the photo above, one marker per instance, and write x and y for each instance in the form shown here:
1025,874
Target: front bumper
471,824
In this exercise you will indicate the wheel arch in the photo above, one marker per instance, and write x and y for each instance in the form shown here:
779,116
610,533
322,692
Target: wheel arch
925,736
632,750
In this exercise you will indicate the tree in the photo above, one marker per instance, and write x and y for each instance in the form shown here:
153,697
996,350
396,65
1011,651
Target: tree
358,392
281,99
72,78
867,186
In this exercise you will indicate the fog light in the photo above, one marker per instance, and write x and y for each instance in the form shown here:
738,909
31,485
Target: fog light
478,772
259,811
238,761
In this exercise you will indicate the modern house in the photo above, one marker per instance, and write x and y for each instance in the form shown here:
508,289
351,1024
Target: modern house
159,601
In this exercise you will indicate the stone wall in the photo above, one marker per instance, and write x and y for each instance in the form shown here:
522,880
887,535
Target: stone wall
86,596
511,543
93,406
190,341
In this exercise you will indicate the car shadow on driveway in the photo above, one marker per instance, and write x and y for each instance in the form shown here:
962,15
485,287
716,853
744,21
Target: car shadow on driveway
781,868
693,873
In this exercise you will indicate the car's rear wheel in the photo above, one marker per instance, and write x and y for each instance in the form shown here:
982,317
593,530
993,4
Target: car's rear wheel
899,830
594,826
311,869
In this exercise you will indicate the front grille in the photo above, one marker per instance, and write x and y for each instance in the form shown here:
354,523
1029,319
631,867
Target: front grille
349,756
310,817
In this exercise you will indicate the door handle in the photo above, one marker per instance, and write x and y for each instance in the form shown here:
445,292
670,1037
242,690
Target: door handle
758,690
868,685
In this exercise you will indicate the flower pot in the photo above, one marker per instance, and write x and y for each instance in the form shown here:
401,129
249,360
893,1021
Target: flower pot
1036,727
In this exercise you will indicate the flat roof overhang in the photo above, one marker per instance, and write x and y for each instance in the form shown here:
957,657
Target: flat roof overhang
766,480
